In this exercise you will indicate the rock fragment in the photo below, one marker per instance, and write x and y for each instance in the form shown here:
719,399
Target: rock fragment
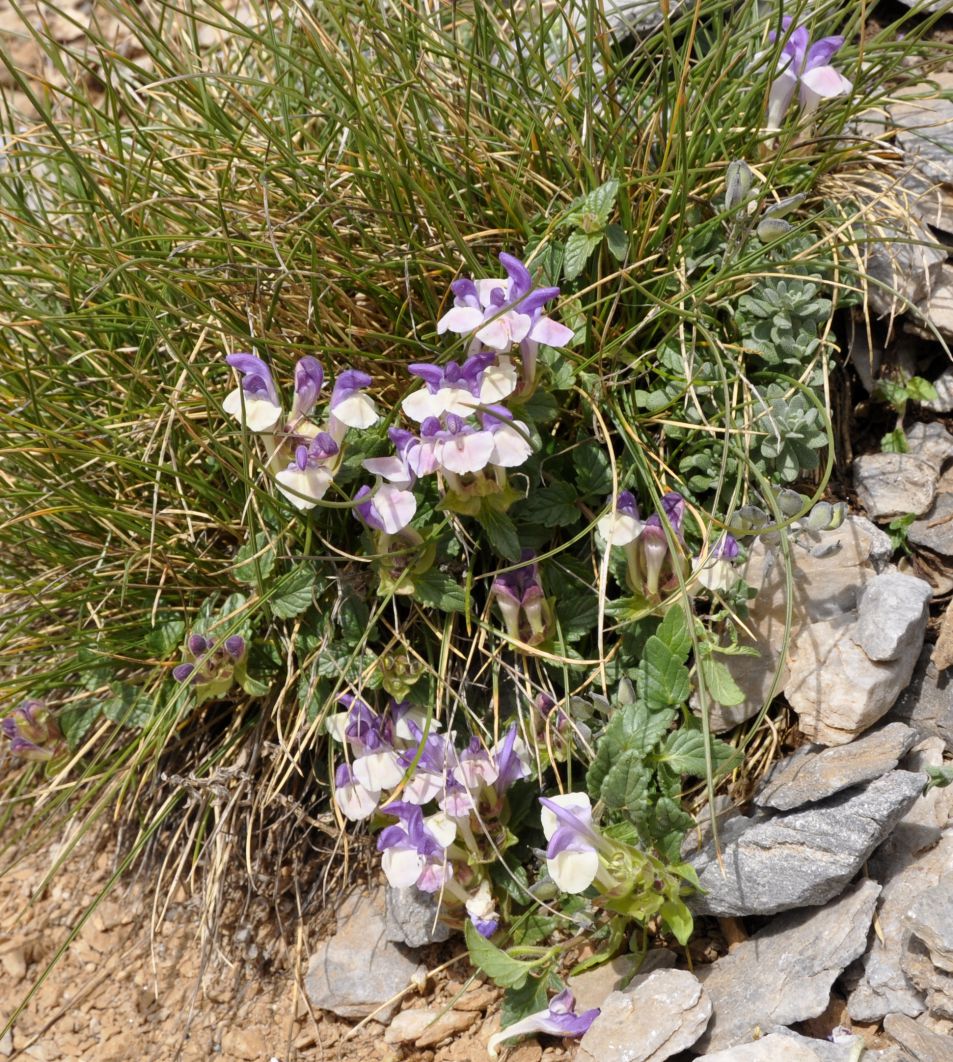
836,689
924,1045
411,918
804,857
934,530
927,702
931,441
784,973
358,971
884,987
931,919
811,775
657,1016
890,485
892,617
591,987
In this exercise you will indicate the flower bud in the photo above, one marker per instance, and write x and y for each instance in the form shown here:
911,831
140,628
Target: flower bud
737,183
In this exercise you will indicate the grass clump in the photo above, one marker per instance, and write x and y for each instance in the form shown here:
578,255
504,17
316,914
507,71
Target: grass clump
188,589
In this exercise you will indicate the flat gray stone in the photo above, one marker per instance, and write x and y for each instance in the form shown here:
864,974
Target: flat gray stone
657,1016
925,133
925,1046
927,702
411,918
804,857
935,308
931,919
934,530
892,617
931,441
784,973
902,257
837,691
357,971
591,987
637,18
890,485
934,983
772,1048
884,987
810,775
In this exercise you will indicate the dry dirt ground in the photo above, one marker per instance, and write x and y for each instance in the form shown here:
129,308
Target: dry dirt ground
124,991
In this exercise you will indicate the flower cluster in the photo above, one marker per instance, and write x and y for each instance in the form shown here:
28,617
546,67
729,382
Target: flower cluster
437,850
210,667
519,597
32,731
652,566
805,67
302,455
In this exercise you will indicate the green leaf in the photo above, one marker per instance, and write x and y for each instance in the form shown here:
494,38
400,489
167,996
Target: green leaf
593,470
920,390
627,784
254,560
539,408
551,506
894,442
684,753
666,827
165,637
76,719
663,679
501,531
519,1003
600,203
678,918
719,682
939,777
438,590
675,633
129,706
500,967
577,611
295,592
579,247
618,242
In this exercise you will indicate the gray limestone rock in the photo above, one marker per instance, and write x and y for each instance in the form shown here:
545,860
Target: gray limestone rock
637,18
934,530
784,973
924,822
927,702
772,1048
811,775
925,133
804,857
931,919
358,971
411,918
924,1045
892,617
931,441
837,691
827,583
657,1016
935,308
884,988
890,485
936,984
591,987
902,258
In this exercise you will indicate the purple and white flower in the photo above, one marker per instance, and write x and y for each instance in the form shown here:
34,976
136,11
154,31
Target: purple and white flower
255,402
716,571
558,1019
621,526
451,388
415,849
572,855
460,448
32,731
511,443
350,407
307,478
518,594
355,801
499,314
804,66
481,908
